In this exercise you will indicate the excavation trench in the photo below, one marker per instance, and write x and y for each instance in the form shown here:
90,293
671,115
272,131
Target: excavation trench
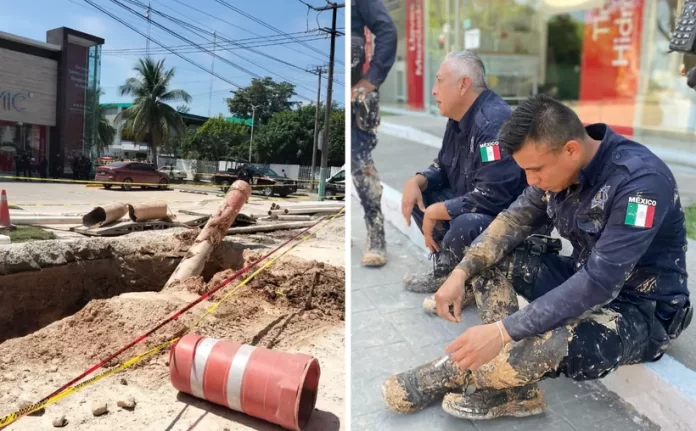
45,281
76,301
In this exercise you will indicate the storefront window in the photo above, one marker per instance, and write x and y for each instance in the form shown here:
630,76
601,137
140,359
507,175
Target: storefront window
607,59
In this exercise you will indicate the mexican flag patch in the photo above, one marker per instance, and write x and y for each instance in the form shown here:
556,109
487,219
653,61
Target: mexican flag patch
640,212
490,151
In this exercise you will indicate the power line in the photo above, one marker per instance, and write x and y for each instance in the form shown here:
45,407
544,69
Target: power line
94,5
190,49
201,30
265,24
249,40
235,25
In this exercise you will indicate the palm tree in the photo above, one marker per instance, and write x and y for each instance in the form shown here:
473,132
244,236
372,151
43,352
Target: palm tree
150,117
105,130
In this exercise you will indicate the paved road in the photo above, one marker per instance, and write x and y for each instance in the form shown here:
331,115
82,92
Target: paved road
390,333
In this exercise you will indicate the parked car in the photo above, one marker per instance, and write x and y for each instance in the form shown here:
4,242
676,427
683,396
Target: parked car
129,173
174,174
335,187
260,176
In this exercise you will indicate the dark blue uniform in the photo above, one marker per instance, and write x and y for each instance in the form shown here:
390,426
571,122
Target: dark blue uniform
472,175
373,15
624,289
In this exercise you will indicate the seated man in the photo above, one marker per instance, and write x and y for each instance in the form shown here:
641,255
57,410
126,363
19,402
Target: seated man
472,179
618,300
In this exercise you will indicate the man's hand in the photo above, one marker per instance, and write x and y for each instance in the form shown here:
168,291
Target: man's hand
364,85
428,227
451,293
477,346
433,214
411,196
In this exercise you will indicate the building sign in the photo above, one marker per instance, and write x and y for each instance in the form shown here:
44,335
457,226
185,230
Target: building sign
610,66
75,98
28,88
415,56
14,100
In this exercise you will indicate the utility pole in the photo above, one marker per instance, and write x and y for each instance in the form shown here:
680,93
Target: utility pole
327,122
212,68
318,70
147,42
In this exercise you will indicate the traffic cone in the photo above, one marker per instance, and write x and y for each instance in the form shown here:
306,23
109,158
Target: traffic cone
5,222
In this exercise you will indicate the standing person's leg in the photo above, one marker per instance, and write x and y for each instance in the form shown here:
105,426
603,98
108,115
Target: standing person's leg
369,188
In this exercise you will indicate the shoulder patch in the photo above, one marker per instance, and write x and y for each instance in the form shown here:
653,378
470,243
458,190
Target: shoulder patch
490,151
640,212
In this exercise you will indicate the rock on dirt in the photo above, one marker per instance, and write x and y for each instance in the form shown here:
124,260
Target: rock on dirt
60,422
128,404
99,409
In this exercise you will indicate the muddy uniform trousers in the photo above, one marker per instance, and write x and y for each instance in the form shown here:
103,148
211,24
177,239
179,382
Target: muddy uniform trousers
457,234
365,176
589,347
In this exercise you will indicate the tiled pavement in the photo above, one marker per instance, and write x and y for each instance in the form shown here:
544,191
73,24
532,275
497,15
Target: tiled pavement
391,333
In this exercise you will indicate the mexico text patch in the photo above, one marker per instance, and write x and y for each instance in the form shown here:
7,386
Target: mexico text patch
640,212
490,151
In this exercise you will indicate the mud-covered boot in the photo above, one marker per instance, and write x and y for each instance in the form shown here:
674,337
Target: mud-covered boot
417,388
430,306
375,245
428,282
494,403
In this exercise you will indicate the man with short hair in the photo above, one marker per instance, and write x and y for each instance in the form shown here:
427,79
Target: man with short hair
472,179
619,299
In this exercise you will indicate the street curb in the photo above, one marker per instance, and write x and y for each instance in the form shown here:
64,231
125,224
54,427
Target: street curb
663,391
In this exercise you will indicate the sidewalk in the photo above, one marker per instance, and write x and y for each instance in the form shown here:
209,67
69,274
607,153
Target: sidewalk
423,128
665,391
391,333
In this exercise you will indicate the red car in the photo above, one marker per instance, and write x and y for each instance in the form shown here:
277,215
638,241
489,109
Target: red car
129,173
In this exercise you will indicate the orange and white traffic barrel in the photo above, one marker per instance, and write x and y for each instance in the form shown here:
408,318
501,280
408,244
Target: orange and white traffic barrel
274,386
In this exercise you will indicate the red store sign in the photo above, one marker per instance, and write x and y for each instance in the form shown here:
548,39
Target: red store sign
610,67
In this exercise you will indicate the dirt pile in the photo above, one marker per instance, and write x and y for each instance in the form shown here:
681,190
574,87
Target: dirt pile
276,300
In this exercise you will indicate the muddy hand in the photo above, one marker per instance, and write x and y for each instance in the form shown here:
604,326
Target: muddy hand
477,346
428,227
411,196
451,293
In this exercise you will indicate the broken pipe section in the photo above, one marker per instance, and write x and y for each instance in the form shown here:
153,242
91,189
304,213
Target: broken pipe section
212,234
156,210
105,214
277,387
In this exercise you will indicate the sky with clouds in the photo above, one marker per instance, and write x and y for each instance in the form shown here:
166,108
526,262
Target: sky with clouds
288,16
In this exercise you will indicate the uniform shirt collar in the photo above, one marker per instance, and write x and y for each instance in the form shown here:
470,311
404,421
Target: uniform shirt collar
595,170
468,119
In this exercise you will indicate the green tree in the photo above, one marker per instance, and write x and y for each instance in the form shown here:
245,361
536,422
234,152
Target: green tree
216,139
151,117
267,95
288,137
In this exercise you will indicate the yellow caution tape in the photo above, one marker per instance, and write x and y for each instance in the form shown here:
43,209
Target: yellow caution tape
13,417
112,183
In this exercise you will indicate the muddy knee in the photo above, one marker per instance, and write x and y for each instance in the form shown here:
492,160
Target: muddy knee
495,296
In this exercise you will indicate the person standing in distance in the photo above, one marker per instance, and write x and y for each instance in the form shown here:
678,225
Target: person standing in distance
365,116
